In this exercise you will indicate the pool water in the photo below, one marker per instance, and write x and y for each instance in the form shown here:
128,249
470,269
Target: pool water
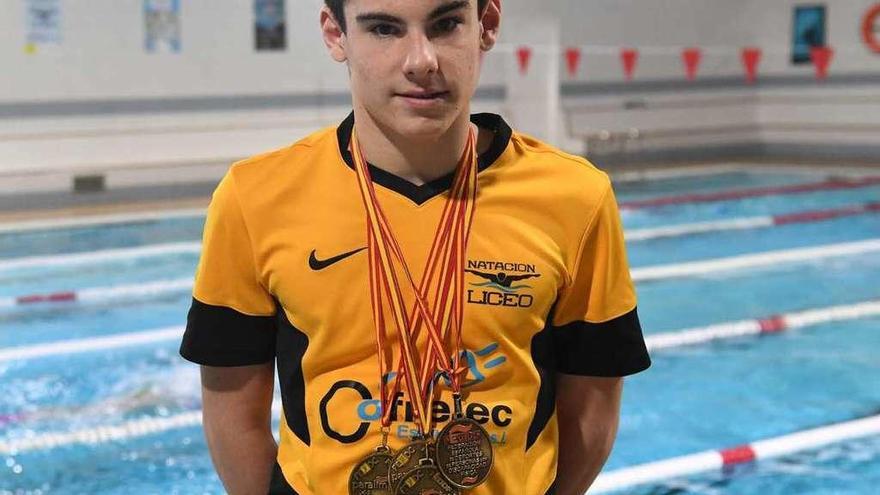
692,399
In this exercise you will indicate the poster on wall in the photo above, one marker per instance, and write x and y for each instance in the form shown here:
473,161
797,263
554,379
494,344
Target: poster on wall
43,24
808,32
270,25
162,26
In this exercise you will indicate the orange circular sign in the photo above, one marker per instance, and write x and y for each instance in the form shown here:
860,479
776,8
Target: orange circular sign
871,28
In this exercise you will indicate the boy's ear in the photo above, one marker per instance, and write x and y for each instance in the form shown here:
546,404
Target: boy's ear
334,36
490,23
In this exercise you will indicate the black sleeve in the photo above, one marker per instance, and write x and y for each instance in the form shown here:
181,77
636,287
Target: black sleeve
221,336
609,349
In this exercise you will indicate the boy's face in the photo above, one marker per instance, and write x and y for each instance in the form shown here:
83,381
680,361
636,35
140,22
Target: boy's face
414,64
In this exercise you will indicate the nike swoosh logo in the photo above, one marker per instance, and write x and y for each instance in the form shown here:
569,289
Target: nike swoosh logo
317,265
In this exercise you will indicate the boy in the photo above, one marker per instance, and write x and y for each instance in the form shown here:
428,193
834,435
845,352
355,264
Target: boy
289,268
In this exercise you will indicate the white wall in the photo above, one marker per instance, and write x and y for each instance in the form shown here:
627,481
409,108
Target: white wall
787,110
102,55
837,115
102,60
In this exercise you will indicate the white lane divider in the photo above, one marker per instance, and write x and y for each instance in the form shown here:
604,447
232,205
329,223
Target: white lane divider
101,256
831,184
147,426
102,434
75,346
97,435
103,294
632,235
691,336
676,172
773,324
757,260
658,272
96,220
123,218
636,235
692,464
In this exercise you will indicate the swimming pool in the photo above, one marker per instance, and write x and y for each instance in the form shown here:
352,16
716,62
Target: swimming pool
694,398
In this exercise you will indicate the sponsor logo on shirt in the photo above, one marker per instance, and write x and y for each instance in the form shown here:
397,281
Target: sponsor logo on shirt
481,363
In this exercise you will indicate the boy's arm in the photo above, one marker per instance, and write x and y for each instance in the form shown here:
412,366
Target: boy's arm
237,408
588,413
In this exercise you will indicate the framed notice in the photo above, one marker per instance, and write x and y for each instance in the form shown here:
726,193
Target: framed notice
808,32
162,26
42,23
270,25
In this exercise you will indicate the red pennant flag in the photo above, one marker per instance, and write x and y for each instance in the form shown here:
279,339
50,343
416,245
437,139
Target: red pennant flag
629,57
573,60
691,58
524,55
821,56
751,57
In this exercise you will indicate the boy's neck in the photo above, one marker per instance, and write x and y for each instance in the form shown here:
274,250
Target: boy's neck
416,161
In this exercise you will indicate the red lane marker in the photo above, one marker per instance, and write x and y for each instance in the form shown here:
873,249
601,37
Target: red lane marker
38,298
62,296
828,185
774,324
6,419
738,455
817,215
29,299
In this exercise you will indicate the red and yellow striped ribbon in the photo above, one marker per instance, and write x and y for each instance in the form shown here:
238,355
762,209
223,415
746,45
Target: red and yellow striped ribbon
447,253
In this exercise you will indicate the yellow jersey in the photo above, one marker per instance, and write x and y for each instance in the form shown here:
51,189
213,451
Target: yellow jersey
283,276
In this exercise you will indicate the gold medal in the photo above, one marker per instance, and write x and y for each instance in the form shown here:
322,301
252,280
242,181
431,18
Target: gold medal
371,475
464,453
408,458
425,480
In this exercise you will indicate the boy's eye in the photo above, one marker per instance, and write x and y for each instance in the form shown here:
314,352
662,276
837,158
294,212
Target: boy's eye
384,30
448,24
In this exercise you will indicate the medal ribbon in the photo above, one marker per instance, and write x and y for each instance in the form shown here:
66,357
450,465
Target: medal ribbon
447,251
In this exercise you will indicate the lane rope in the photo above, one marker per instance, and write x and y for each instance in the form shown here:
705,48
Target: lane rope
751,261
649,273
667,340
103,434
675,172
688,465
758,222
833,184
627,176
98,220
125,218
762,326
632,235
101,256
97,295
76,346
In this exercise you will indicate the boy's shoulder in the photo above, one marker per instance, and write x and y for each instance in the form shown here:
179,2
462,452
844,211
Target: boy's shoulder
287,159
567,171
